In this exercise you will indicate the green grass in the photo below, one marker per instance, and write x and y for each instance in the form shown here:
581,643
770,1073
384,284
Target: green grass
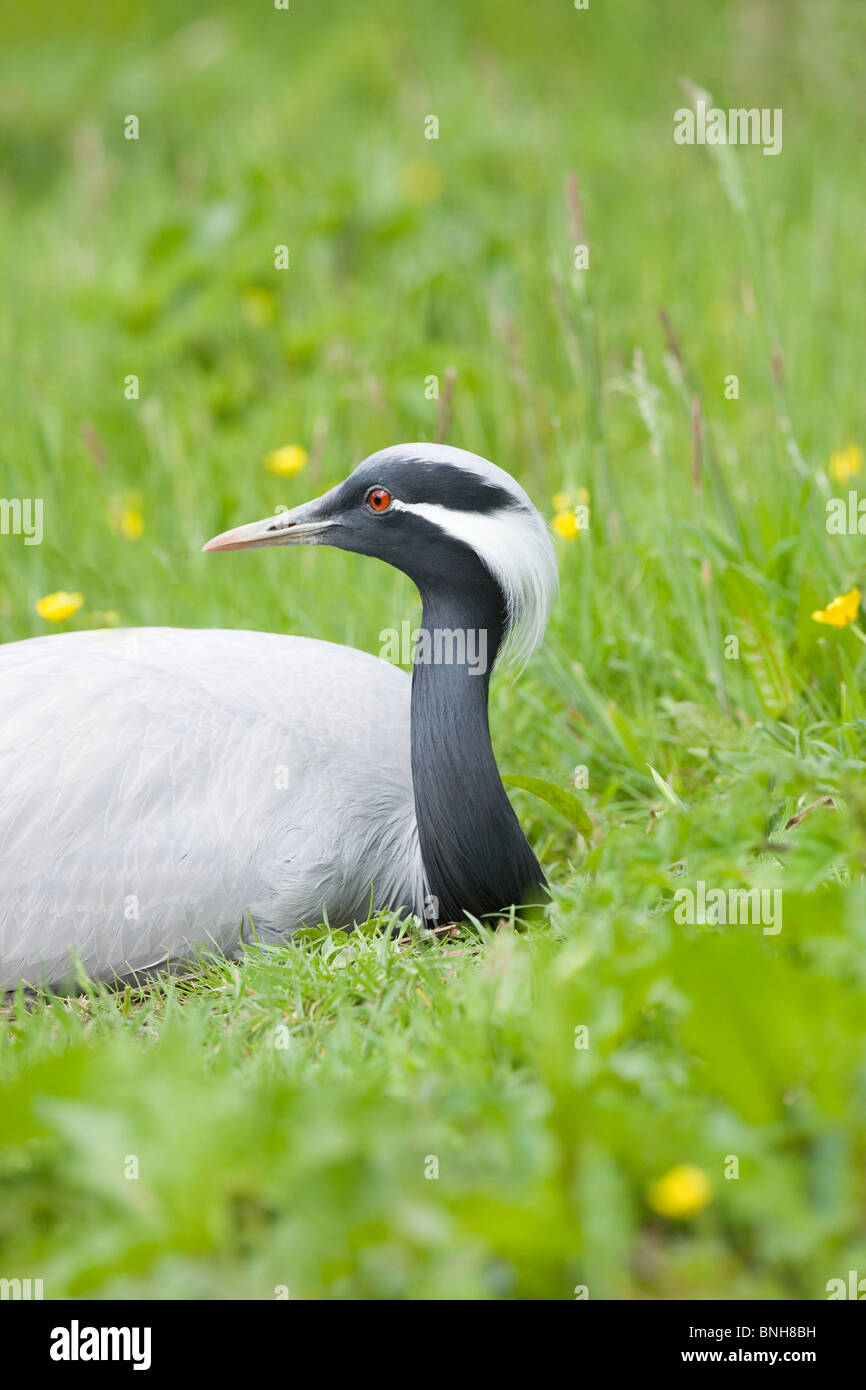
305,1165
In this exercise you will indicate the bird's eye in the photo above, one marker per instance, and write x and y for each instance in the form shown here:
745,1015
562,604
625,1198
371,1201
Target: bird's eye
379,499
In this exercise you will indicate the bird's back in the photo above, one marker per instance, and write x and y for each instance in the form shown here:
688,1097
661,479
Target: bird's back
158,786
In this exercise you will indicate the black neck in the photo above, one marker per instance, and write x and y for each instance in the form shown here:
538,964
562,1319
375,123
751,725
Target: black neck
476,857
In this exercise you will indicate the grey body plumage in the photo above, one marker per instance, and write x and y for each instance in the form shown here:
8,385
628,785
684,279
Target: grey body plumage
162,788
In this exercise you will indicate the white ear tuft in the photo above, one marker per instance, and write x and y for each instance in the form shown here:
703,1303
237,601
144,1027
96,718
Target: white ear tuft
516,546
530,581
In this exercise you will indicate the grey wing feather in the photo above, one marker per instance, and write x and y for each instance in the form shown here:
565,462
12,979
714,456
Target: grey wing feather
158,787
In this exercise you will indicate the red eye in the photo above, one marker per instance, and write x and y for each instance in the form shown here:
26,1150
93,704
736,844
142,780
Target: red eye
379,499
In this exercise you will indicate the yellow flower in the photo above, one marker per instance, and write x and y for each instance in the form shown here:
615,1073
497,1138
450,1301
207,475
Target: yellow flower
57,607
565,524
840,611
125,516
288,461
563,501
846,463
681,1193
131,524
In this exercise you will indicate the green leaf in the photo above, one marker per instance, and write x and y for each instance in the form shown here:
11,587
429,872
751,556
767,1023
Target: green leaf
665,788
566,803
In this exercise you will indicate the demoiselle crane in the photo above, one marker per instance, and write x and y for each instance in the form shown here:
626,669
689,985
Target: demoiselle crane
162,789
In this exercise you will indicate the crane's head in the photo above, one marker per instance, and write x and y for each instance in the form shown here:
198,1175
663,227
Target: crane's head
462,529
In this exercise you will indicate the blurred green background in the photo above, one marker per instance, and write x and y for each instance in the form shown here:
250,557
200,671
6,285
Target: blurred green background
309,1167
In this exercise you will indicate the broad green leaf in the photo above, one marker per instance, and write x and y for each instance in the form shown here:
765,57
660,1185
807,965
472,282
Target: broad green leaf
566,803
